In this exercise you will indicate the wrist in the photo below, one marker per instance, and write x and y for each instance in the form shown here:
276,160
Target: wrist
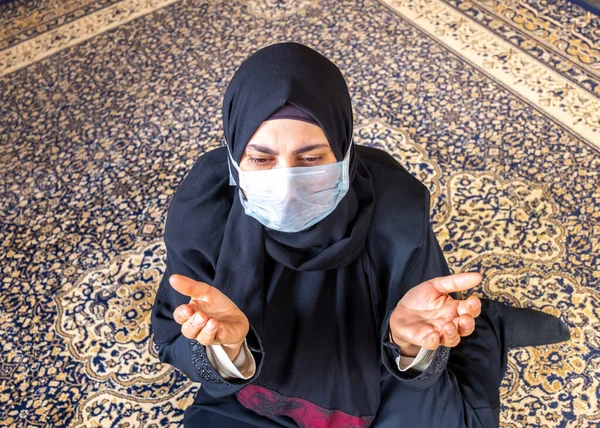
233,349
407,349
410,350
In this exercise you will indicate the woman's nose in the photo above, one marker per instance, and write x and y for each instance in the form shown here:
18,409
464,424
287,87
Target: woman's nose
286,162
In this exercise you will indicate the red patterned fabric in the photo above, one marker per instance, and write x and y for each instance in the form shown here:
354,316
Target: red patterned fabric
306,414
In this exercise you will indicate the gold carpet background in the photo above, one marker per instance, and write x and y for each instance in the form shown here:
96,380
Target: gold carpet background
107,104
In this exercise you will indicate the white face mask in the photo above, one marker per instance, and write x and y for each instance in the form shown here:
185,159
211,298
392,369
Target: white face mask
293,199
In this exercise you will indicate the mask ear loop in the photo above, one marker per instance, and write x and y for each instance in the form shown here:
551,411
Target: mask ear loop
231,179
346,161
239,171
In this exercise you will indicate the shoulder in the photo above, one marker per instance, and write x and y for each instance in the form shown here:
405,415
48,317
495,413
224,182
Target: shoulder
207,172
202,200
401,210
392,178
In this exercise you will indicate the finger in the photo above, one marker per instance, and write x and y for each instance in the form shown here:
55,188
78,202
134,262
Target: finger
456,282
230,333
208,333
194,325
466,325
471,306
431,341
189,287
427,337
450,335
183,313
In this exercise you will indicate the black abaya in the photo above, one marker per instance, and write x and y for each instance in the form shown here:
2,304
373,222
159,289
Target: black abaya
319,300
282,351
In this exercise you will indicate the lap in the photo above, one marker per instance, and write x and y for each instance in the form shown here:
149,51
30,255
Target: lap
465,395
227,412
443,405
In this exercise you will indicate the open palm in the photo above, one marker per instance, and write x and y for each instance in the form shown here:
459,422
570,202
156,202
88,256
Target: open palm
210,317
427,316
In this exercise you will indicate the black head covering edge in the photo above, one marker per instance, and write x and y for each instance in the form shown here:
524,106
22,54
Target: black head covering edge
287,72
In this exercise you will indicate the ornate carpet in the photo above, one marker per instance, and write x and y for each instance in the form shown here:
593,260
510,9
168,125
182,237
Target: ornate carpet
106,105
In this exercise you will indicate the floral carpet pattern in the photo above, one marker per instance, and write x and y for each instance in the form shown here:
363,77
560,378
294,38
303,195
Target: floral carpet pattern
106,104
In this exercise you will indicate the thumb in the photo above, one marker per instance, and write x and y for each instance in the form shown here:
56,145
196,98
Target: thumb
231,333
456,282
189,287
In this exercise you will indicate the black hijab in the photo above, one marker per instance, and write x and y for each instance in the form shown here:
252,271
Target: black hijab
295,74
317,297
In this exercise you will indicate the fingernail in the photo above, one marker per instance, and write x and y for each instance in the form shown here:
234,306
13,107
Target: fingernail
210,326
186,312
197,319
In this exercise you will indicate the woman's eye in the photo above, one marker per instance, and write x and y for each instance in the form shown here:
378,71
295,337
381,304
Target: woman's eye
259,161
312,159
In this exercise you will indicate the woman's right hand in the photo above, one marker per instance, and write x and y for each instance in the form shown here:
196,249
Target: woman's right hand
210,317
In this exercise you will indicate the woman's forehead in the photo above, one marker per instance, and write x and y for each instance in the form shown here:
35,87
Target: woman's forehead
287,135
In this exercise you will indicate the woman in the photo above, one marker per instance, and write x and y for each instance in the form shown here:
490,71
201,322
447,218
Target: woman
304,285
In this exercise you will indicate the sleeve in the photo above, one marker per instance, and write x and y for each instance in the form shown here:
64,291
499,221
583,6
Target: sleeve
242,367
420,362
187,355
427,262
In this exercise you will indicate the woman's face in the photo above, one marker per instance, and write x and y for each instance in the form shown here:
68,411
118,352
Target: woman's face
286,143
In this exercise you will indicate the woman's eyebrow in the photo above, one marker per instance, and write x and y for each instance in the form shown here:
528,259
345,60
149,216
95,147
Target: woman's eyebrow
269,151
309,148
261,149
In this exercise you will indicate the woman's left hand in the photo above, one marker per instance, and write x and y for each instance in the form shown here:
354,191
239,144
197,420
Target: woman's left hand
428,317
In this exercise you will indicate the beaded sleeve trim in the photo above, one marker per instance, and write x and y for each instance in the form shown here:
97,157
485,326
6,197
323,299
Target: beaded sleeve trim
439,363
202,365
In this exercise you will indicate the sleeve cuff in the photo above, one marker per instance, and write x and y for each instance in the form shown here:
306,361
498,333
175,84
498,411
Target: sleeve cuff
242,367
420,362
